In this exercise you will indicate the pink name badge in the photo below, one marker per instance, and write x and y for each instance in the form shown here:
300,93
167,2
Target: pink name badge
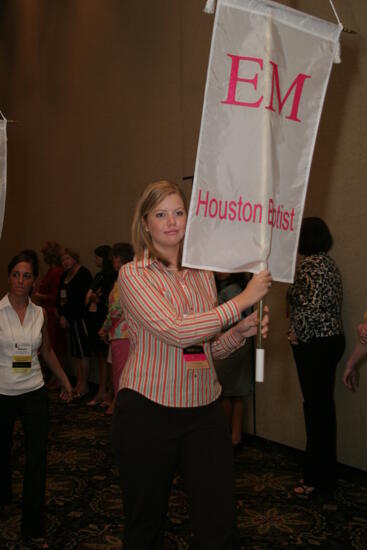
195,358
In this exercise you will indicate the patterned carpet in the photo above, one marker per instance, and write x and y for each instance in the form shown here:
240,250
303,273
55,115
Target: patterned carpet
84,508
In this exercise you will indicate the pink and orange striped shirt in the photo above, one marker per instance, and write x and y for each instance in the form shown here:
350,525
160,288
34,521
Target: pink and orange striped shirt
166,312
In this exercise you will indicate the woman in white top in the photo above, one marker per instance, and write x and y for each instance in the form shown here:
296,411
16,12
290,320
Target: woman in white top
23,334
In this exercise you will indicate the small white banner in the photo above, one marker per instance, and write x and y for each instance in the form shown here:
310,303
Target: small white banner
268,72
3,160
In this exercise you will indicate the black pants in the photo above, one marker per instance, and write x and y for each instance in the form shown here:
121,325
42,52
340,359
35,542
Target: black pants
32,409
150,441
316,365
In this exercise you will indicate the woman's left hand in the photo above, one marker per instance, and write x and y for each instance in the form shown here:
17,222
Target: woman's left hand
103,334
248,326
66,393
292,337
362,333
351,377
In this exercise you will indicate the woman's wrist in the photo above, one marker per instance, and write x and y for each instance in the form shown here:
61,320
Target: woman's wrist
350,365
236,333
242,301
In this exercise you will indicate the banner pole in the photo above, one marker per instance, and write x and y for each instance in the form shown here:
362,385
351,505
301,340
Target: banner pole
260,351
267,186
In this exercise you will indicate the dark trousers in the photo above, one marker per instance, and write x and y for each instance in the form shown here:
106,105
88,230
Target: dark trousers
316,365
150,442
32,409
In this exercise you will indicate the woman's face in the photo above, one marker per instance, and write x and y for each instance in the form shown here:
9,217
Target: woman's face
21,279
67,262
117,262
166,223
98,261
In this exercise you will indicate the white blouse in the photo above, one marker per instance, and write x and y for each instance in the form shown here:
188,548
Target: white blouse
28,335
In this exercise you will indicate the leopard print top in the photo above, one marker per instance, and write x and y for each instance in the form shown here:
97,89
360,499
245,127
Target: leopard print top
315,298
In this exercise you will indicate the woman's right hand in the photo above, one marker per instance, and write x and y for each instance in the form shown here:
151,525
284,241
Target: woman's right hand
66,392
103,334
362,333
248,326
255,290
63,322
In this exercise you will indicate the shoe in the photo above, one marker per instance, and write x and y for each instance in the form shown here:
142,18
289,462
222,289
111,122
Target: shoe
35,542
77,394
237,446
304,490
95,401
109,411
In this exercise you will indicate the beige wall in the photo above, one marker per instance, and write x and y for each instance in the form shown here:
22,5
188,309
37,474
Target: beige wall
107,95
337,192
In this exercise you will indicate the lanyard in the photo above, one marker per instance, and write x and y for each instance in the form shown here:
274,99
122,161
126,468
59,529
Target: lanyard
32,324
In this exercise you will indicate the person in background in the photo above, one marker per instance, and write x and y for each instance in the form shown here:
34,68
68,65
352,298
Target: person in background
23,334
73,288
45,295
96,310
351,373
234,373
114,329
168,411
317,339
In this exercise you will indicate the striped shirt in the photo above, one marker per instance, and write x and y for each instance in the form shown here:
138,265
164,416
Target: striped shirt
115,324
165,312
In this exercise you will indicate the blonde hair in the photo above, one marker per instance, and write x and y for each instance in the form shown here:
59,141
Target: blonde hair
153,195
71,253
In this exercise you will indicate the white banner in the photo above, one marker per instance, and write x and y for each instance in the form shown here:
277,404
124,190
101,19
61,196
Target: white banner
268,72
3,160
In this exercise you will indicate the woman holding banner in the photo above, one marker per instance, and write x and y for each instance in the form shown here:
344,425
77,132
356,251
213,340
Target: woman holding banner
317,339
167,411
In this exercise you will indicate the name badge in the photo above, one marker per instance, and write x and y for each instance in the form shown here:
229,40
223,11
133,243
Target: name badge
22,358
63,296
92,307
195,358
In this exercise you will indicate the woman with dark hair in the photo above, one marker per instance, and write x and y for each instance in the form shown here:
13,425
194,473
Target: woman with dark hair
23,334
114,329
96,302
168,411
73,288
317,338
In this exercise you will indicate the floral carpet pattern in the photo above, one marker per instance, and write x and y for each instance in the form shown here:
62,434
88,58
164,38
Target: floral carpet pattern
84,509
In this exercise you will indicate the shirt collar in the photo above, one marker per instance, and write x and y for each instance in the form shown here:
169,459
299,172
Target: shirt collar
4,302
148,261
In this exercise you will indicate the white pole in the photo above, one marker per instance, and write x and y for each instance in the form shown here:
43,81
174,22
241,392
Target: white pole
260,351
266,181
